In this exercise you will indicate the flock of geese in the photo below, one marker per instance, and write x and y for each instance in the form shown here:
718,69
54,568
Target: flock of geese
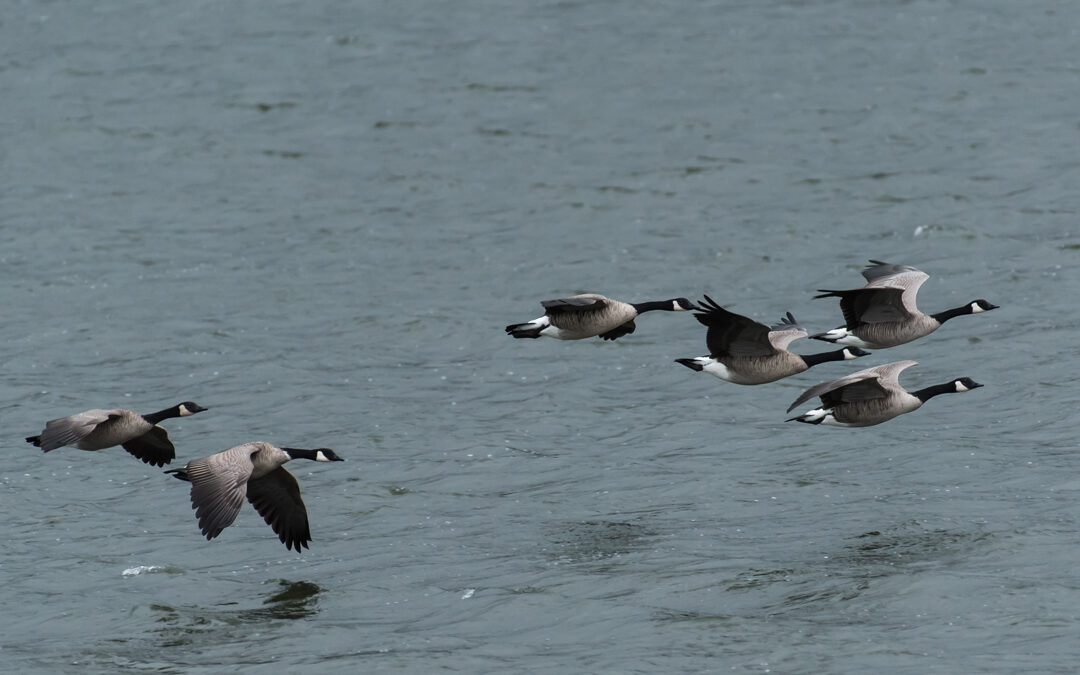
219,483
879,315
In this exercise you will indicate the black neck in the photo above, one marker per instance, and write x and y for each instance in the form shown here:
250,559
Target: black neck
942,317
814,359
650,306
154,418
925,395
300,453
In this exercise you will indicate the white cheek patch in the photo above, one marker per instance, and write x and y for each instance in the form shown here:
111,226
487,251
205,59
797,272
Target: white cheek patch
320,457
960,386
184,412
975,309
848,355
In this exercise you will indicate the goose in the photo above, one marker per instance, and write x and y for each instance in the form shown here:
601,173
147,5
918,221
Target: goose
589,314
871,396
99,429
883,313
254,470
744,351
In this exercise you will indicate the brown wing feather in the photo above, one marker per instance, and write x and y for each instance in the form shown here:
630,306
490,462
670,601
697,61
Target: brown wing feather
218,486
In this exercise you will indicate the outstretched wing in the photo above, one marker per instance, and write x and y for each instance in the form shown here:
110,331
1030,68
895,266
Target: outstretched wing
786,332
904,277
869,305
589,302
218,486
619,331
276,496
879,274
859,386
153,447
732,334
72,429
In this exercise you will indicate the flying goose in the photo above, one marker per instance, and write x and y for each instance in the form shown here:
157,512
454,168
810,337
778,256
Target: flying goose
883,313
254,470
589,314
100,429
744,351
871,397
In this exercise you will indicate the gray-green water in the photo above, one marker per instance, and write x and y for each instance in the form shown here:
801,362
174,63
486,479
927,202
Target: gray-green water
316,218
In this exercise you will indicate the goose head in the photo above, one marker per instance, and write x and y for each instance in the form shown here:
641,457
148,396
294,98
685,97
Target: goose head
981,305
328,455
965,384
189,408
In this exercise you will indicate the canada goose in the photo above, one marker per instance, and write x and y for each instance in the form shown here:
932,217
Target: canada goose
583,316
220,482
883,313
100,429
744,351
871,397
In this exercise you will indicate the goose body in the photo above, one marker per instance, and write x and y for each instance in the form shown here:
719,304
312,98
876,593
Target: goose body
220,482
98,429
883,313
744,351
589,315
871,396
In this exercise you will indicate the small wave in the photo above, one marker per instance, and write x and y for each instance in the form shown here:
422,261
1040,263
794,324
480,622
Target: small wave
149,569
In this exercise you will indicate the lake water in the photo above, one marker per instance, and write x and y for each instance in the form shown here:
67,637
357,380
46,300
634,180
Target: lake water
315,220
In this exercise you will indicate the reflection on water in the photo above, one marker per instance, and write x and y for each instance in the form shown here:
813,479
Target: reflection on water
183,625
897,549
594,541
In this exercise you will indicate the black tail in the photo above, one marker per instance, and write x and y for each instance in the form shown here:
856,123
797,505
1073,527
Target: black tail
524,330
825,293
692,364
180,473
34,440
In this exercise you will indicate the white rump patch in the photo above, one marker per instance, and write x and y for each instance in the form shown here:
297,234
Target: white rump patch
847,339
815,415
715,368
